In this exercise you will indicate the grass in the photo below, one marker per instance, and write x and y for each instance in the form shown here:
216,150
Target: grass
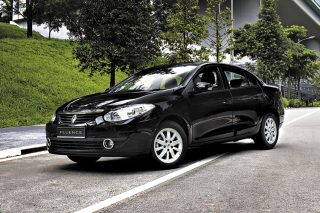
11,31
38,75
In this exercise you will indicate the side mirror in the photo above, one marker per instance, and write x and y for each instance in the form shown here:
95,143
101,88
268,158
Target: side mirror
202,86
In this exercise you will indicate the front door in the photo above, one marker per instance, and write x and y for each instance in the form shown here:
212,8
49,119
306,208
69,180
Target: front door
210,108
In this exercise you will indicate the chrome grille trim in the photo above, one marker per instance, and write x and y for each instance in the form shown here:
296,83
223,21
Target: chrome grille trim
81,118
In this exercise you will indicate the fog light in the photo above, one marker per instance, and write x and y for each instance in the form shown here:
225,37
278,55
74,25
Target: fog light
48,142
108,143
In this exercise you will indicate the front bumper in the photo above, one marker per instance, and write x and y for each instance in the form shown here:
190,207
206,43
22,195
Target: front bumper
129,140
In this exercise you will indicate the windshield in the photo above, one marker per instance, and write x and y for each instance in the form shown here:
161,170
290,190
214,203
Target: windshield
161,78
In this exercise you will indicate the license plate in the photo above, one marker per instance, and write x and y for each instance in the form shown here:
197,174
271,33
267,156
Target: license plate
71,132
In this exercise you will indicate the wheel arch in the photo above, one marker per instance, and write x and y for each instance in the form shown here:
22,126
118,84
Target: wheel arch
182,122
274,112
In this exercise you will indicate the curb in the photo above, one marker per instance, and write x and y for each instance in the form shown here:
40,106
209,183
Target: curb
22,150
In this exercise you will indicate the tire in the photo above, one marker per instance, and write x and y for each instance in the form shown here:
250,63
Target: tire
268,135
84,160
169,151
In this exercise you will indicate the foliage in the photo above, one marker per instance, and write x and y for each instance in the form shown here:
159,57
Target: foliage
245,41
157,61
285,102
37,76
116,34
6,10
186,30
49,12
71,17
301,61
315,67
221,24
12,31
265,42
251,67
316,104
296,103
162,9
296,33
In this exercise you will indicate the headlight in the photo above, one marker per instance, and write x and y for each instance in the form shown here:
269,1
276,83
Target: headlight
53,117
127,112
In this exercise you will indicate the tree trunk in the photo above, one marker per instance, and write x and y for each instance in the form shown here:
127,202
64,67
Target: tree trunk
12,11
112,75
29,18
217,37
299,90
289,87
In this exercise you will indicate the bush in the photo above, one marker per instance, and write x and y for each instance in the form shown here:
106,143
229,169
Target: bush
316,104
285,102
296,103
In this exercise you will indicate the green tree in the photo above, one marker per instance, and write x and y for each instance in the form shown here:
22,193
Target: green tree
315,67
221,25
299,58
25,9
296,33
71,17
6,10
116,34
51,13
186,30
162,9
299,66
266,42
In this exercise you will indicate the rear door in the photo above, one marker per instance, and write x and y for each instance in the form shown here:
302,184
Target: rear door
246,94
210,110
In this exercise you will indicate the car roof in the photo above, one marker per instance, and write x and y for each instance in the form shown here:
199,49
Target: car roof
197,64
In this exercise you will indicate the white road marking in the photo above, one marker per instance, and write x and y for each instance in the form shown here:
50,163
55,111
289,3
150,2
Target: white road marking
115,199
24,156
110,201
299,118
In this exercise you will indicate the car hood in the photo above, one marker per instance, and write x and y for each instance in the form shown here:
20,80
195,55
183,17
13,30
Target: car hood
102,101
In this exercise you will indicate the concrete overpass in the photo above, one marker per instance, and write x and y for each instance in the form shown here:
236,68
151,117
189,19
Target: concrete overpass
292,12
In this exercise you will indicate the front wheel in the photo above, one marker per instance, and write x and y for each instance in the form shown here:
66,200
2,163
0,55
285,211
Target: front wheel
83,160
269,132
169,144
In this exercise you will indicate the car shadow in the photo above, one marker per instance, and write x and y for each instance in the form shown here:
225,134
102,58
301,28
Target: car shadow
146,164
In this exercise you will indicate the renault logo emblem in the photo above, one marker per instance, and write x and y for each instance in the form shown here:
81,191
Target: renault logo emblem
73,119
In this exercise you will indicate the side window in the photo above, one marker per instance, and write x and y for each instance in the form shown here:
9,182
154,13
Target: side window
252,80
236,78
209,75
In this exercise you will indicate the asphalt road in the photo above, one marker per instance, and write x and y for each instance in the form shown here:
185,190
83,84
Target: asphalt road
21,136
285,179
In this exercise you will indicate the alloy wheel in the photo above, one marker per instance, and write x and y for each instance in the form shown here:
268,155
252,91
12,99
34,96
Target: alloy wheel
168,145
270,130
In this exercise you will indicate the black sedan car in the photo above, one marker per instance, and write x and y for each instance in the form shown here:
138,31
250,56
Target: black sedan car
165,110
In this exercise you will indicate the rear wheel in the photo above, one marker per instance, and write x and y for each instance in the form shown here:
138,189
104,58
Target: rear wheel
269,132
169,144
83,160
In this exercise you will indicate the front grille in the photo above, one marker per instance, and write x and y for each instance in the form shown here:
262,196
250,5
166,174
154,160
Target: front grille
81,118
76,145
